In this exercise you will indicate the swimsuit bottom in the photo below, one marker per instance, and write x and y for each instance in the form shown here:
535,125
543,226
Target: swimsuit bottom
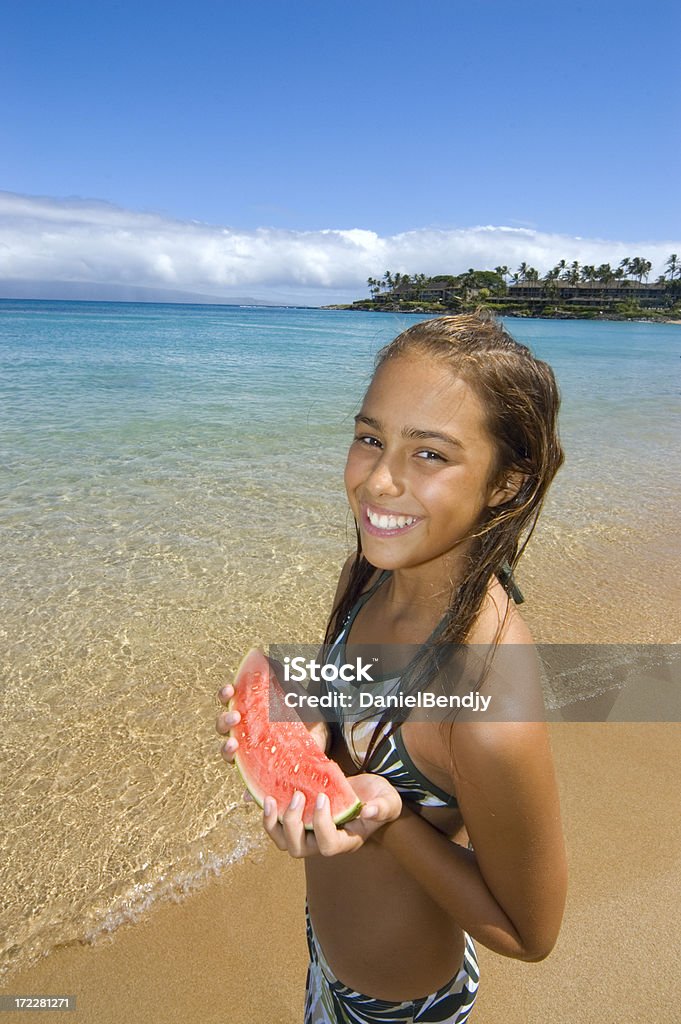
329,1001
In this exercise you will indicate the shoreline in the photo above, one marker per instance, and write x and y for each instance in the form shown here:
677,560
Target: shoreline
350,307
235,950
638,318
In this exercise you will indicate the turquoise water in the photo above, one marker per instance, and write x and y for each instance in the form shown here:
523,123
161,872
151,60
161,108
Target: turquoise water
171,494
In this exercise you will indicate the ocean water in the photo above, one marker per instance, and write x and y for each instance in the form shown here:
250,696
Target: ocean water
171,494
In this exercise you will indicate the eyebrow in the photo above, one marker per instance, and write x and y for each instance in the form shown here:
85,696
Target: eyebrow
413,433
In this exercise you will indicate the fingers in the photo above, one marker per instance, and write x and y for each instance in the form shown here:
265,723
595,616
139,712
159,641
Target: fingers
293,831
229,749
382,802
291,836
226,693
330,840
272,824
226,720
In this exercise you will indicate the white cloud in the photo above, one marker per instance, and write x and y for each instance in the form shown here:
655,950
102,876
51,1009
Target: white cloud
87,241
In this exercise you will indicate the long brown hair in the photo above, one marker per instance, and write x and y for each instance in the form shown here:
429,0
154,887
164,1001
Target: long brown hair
520,397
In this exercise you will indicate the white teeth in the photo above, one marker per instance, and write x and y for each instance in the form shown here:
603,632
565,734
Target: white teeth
384,522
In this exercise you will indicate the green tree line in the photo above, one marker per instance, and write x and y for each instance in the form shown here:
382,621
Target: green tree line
492,286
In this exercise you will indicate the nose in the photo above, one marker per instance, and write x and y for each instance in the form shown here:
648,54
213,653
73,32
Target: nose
385,477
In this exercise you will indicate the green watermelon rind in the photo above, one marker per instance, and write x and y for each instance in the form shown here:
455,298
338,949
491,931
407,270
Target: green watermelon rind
259,797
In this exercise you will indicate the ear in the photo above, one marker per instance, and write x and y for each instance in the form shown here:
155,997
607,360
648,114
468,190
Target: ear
506,489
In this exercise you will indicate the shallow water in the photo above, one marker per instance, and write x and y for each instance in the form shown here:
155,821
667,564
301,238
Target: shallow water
171,494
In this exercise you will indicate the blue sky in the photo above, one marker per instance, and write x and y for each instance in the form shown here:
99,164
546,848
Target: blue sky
282,124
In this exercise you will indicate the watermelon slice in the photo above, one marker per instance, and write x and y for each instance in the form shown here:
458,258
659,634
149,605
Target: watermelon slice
276,758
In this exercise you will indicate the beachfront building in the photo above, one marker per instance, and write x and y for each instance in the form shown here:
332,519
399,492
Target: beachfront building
588,293
600,291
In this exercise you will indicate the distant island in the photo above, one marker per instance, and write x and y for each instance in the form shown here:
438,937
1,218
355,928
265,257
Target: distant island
568,291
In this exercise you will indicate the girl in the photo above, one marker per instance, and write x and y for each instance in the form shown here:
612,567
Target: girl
459,837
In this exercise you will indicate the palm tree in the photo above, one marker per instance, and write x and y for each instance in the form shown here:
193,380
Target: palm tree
522,272
573,273
639,268
467,283
672,266
502,272
418,283
625,267
605,274
551,282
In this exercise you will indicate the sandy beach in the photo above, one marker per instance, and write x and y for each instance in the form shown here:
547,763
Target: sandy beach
140,565
235,952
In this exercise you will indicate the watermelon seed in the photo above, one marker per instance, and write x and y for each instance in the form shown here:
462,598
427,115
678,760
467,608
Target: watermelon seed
296,769
272,749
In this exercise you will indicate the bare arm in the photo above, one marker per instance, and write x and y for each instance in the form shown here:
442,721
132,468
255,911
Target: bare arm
510,893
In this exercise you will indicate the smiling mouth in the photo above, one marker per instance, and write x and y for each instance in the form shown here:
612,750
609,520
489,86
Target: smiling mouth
383,521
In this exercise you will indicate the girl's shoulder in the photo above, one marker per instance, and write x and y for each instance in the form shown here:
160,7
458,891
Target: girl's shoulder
502,642
499,620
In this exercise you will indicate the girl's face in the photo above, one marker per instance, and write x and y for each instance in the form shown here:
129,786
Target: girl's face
418,474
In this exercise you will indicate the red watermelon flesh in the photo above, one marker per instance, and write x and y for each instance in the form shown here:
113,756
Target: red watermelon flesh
276,758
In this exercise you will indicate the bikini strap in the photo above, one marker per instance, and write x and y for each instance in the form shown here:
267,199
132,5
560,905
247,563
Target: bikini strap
507,580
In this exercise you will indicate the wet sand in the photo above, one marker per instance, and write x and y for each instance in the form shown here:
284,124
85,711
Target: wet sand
235,952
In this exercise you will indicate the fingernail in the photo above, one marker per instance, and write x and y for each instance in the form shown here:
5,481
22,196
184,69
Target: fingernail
268,805
297,799
370,811
321,801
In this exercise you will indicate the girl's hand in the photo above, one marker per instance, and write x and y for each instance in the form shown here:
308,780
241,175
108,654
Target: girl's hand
382,803
226,720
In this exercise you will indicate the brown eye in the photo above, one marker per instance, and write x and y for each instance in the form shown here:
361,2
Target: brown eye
430,456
